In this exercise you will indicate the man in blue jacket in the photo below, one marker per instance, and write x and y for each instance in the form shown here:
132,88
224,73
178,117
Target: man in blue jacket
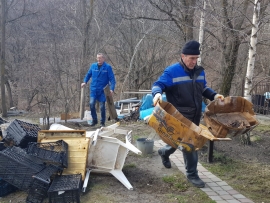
185,84
101,74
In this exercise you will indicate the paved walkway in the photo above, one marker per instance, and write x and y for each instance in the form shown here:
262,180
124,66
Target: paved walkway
215,188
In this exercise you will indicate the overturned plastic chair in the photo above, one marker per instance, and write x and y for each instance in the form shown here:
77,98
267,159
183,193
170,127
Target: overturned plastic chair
107,154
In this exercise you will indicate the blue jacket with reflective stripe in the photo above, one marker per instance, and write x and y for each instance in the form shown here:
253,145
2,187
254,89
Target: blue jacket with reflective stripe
184,89
100,78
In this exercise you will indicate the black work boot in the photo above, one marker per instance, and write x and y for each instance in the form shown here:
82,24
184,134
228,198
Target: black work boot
102,125
196,181
165,159
94,122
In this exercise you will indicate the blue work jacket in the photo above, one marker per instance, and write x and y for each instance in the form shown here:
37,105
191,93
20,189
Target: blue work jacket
100,78
184,89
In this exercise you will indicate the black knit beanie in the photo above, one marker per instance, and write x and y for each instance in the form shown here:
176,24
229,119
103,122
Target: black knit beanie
191,48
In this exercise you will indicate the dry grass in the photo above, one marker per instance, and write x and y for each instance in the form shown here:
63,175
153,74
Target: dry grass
250,178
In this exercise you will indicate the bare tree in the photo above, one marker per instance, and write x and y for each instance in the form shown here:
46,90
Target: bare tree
181,13
48,53
12,11
3,58
141,46
227,30
231,41
201,31
132,59
252,50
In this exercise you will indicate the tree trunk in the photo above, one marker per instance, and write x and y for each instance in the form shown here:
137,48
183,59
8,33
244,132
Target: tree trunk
230,45
230,55
201,32
252,51
11,104
86,37
191,5
131,61
184,20
3,42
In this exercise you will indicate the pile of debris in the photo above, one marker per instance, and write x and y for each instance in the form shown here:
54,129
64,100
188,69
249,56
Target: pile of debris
35,168
134,115
56,163
136,109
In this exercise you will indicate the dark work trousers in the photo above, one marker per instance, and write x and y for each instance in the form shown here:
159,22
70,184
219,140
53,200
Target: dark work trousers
190,159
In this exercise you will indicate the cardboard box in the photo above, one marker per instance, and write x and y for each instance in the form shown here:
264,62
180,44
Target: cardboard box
176,130
231,117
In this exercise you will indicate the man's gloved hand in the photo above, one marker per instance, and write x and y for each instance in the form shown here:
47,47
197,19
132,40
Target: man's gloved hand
157,97
83,84
219,96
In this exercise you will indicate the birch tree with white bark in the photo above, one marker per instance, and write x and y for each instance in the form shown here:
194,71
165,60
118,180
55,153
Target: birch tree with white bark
201,31
252,50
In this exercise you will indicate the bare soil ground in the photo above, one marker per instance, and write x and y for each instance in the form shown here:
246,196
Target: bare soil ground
257,152
147,175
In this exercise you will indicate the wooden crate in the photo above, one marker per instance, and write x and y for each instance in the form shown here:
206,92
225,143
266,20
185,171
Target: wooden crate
78,146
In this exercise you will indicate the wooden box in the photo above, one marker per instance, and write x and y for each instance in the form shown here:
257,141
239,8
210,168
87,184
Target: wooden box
78,146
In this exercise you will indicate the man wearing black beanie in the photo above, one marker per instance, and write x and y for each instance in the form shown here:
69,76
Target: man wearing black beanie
185,84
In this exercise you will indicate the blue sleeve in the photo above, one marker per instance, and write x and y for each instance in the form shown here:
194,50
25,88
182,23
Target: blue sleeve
165,80
111,78
88,75
207,91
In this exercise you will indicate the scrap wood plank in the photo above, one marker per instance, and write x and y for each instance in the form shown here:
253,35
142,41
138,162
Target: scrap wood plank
68,116
109,99
42,134
82,103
